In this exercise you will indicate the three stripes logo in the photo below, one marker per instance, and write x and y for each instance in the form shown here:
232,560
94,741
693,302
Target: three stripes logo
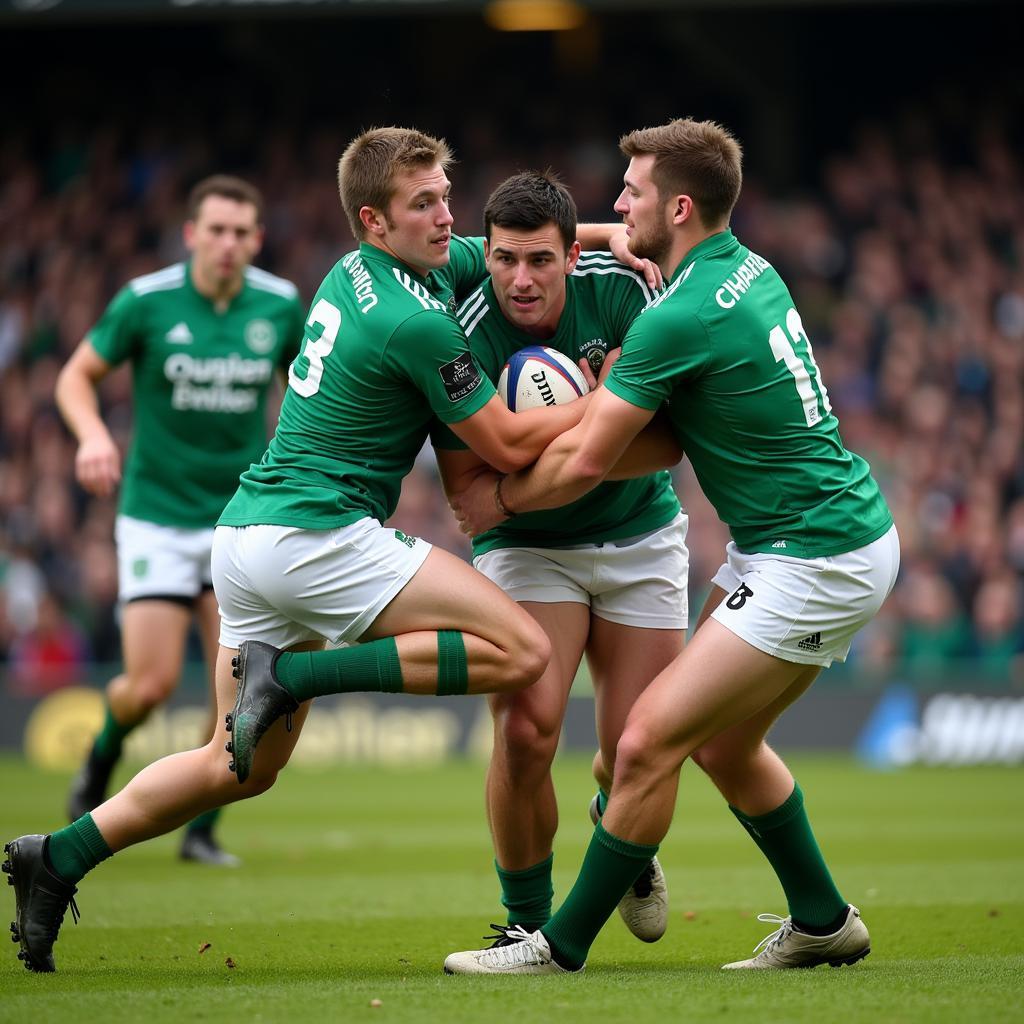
810,643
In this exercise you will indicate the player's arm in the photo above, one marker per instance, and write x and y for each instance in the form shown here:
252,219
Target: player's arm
613,237
654,448
511,440
458,469
98,461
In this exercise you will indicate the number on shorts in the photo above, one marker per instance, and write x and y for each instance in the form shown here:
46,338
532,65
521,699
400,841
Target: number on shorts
316,350
784,350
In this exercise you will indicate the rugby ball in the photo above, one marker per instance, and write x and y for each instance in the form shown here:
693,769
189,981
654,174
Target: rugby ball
538,376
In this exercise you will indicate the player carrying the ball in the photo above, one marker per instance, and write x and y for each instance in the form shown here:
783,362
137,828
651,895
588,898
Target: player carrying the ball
605,575
813,555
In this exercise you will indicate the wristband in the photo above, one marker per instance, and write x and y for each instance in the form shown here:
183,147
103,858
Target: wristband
502,507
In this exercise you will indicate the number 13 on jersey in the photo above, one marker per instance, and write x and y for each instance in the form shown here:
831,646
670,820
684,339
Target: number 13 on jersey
783,343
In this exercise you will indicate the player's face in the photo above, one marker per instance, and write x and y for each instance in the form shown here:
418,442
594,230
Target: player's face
528,269
417,225
644,212
223,239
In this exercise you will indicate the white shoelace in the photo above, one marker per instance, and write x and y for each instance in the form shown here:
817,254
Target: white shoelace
524,951
779,935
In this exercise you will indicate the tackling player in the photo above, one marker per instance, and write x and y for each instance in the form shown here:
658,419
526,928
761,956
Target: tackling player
605,575
300,555
813,555
203,339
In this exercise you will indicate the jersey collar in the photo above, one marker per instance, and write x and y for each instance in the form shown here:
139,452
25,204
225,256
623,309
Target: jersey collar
718,242
190,286
371,252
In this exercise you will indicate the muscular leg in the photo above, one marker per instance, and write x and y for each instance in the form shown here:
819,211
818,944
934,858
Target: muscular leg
521,805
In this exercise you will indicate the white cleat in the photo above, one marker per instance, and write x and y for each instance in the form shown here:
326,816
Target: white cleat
644,908
789,947
529,954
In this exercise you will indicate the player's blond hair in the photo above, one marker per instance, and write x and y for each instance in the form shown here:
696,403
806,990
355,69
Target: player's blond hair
367,168
700,159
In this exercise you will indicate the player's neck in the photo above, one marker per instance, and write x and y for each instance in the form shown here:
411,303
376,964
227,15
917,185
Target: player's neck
683,244
220,293
384,247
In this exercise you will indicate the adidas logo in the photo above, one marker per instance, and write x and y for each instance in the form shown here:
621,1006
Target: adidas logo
179,334
779,544
810,643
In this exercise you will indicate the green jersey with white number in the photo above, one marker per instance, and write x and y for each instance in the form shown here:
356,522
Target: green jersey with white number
725,346
200,378
383,355
602,299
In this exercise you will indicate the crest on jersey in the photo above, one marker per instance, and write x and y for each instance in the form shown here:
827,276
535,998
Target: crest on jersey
260,336
453,306
594,351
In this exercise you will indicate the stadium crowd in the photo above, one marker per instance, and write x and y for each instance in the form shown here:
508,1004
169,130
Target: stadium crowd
906,261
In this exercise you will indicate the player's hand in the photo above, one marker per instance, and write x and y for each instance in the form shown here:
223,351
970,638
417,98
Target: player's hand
475,507
98,465
619,246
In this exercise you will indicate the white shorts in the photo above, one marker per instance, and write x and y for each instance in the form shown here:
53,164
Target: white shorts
284,585
161,562
636,581
806,610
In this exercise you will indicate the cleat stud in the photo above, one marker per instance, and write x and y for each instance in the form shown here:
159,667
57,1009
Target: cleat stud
21,954
229,747
7,847
6,867
231,766
229,721
10,879
234,661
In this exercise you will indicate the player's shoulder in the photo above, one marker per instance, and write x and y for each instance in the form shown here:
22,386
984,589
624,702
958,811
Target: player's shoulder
263,281
601,271
167,279
475,313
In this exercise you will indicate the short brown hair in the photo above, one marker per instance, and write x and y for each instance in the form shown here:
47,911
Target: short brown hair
229,187
367,168
528,201
700,159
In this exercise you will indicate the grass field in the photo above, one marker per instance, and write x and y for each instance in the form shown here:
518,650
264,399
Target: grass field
358,881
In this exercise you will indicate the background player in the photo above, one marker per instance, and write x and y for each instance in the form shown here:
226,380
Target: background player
606,574
203,338
813,556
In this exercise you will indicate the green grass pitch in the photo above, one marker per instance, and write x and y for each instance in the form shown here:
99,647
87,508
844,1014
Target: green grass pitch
358,881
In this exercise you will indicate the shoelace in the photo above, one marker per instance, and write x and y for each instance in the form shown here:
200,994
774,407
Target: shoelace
779,935
501,936
54,928
520,951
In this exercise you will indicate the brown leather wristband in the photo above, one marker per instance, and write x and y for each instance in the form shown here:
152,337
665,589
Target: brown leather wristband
499,502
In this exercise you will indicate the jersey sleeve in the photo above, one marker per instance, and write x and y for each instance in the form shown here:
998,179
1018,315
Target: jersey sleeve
116,335
658,352
466,267
432,352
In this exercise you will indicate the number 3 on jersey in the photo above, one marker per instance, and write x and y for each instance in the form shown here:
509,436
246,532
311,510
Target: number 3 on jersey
316,350
784,350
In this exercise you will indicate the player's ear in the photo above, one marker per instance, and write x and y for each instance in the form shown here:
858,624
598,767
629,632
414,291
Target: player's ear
371,220
189,234
573,256
682,209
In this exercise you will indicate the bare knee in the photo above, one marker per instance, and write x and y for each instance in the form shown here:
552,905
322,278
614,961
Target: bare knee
639,755
725,762
528,651
525,735
144,691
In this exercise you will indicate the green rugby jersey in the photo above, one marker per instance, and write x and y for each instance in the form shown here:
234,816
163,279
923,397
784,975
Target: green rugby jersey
383,355
725,346
602,299
200,380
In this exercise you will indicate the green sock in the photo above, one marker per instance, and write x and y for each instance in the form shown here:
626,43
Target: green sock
205,822
784,836
371,667
602,802
107,745
74,851
527,894
610,867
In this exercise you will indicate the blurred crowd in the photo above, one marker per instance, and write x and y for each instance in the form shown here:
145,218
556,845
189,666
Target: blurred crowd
905,259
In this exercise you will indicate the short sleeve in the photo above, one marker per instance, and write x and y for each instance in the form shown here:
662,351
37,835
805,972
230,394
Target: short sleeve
430,349
116,335
658,353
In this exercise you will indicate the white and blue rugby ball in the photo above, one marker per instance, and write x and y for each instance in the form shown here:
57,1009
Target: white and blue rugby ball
536,376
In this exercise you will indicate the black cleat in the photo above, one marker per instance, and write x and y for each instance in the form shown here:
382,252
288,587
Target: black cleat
41,899
200,847
260,701
89,786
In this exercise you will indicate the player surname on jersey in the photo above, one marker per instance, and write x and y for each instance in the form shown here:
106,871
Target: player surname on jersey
362,283
749,270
